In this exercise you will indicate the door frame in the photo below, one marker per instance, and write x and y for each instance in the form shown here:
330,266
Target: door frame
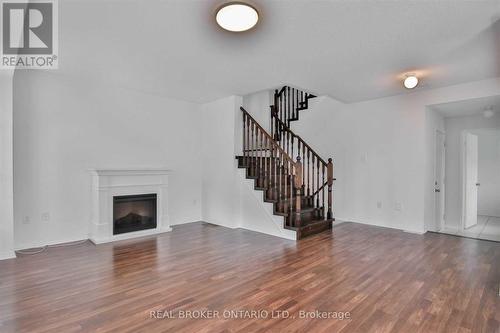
442,165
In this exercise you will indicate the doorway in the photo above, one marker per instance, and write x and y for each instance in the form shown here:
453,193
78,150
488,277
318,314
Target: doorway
481,184
466,177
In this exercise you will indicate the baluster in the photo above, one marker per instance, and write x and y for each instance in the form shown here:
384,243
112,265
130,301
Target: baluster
263,157
280,172
285,184
269,170
329,173
317,183
292,190
281,106
248,142
254,145
265,163
256,151
283,146
323,190
312,176
275,180
298,187
260,157
286,104
303,167
308,173
292,138
287,121
288,142
244,134
293,106
271,120
296,104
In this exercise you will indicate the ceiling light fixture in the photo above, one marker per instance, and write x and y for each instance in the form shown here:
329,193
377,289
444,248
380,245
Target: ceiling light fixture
411,81
237,16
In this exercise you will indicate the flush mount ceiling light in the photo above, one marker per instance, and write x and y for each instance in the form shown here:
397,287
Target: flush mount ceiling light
236,16
411,81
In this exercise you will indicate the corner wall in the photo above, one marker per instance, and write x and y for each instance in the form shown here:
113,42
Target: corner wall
219,191
6,167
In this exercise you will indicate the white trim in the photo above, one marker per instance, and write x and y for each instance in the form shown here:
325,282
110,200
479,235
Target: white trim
131,171
129,235
32,245
411,231
7,255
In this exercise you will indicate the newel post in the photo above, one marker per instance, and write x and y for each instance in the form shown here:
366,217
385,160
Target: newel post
298,189
329,174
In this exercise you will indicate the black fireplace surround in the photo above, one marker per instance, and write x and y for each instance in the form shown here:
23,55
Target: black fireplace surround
134,213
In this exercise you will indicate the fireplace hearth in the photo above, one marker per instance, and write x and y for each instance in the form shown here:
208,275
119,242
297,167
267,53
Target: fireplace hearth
134,213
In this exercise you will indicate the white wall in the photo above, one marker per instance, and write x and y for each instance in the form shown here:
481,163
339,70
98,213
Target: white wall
6,167
381,150
258,105
229,199
219,173
489,173
434,122
63,126
454,128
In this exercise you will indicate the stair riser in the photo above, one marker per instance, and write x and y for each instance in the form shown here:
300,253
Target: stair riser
311,230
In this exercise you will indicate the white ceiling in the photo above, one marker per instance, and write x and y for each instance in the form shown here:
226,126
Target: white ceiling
468,107
350,50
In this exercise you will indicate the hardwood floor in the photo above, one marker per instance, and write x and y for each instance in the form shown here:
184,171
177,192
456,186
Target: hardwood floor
388,281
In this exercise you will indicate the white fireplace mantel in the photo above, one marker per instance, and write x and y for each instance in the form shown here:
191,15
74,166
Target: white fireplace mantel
108,183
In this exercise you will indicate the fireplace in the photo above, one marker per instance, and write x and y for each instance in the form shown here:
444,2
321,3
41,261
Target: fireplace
134,213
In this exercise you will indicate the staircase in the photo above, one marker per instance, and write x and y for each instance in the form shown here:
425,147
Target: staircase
290,173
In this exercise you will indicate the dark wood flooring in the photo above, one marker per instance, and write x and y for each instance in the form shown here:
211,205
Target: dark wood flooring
388,281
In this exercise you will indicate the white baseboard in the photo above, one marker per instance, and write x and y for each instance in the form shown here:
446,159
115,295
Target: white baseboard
129,235
418,232
32,245
7,255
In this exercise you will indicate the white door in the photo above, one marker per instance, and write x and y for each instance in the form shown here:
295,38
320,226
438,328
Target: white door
471,183
439,181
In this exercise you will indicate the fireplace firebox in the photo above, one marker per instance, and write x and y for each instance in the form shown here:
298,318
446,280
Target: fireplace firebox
134,213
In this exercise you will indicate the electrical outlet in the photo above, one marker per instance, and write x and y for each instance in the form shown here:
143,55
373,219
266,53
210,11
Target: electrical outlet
26,220
46,217
379,204
398,206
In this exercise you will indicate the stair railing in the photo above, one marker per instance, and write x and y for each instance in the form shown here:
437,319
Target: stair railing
289,101
317,174
274,168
